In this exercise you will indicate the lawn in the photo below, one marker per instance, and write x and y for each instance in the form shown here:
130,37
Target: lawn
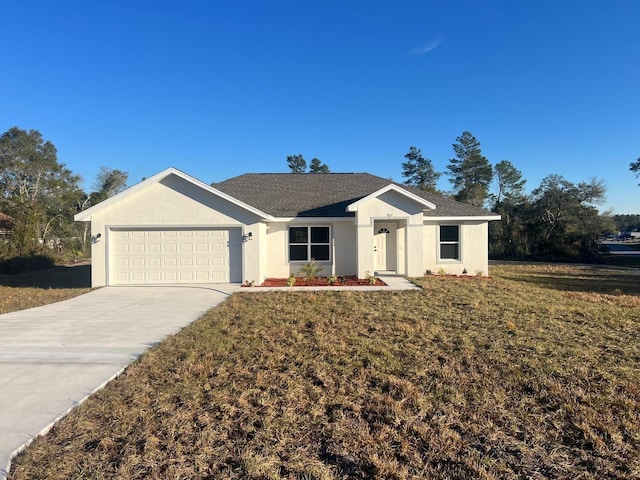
534,373
28,290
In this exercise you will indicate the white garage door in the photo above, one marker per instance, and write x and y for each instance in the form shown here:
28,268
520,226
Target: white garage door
175,255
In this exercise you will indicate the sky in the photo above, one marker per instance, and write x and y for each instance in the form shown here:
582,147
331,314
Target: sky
221,88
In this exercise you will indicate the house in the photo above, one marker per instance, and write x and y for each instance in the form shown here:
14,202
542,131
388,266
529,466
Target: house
173,228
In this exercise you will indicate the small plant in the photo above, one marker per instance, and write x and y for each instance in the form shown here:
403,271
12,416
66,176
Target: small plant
291,281
479,273
332,280
464,271
248,283
311,270
428,272
442,271
370,277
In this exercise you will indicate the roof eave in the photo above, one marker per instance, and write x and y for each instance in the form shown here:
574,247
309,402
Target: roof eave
487,218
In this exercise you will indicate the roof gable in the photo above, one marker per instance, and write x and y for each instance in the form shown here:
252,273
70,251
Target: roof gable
86,214
391,187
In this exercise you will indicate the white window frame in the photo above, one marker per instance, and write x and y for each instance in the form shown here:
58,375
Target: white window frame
458,243
309,243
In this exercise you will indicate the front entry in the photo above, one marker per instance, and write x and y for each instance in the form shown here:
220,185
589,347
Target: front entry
385,247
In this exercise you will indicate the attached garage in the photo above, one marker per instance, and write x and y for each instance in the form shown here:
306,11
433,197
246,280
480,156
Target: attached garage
174,255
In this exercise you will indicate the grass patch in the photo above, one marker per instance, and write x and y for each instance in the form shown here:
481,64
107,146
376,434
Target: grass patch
33,289
532,374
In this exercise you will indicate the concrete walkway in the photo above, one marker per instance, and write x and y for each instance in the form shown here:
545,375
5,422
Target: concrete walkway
393,282
53,357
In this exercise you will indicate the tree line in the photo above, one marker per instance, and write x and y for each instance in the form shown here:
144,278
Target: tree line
557,220
39,197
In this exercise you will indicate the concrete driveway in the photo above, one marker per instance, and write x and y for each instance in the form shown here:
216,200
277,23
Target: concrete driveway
53,357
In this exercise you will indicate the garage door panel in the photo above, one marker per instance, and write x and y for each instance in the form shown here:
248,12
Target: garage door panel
170,262
154,262
175,255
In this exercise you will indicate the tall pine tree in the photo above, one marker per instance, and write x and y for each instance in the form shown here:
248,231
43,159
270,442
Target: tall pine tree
470,172
419,171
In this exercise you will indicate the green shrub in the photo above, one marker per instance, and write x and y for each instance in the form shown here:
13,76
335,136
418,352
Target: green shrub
311,270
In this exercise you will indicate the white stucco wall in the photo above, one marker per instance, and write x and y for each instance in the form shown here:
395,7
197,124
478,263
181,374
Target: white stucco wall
173,202
474,248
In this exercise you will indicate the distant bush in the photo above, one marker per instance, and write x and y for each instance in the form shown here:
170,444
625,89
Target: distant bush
25,264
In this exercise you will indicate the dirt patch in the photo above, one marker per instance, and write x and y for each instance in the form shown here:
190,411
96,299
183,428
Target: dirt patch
347,281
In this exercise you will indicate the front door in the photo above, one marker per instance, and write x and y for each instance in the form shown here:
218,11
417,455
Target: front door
384,247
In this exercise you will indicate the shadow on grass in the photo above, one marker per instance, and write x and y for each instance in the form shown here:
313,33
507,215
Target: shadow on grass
587,280
75,276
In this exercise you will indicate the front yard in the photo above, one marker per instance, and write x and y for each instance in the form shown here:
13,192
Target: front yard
28,290
534,373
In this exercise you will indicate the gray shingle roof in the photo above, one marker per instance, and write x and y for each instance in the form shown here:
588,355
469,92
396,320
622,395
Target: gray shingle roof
324,194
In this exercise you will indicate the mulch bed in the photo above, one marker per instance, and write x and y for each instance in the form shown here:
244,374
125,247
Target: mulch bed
349,281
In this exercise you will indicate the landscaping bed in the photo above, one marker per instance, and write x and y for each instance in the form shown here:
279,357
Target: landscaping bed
346,281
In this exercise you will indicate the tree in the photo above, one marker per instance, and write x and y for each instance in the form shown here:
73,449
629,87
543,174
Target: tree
108,183
38,192
419,171
635,167
317,166
508,236
470,172
297,163
509,181
564,223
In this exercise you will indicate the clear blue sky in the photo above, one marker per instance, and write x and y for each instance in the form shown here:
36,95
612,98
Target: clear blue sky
218,89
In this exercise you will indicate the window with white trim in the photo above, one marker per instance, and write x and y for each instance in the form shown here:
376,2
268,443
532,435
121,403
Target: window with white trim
449,242
306,243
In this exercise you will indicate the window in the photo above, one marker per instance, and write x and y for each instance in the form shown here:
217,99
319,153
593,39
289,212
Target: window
449,242
306,243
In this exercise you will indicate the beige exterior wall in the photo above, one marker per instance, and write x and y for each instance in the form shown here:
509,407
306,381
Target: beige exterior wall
277,241
172,202
474,248
345,248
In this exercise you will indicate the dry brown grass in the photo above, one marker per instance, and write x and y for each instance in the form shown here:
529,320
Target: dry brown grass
28,290
531,374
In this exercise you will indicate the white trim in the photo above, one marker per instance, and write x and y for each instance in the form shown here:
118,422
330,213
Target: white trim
427,204
308,220
485,218
85,215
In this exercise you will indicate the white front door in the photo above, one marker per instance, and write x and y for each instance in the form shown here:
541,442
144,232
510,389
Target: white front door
384,247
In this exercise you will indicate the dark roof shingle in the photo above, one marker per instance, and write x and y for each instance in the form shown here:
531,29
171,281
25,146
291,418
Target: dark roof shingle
324,194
